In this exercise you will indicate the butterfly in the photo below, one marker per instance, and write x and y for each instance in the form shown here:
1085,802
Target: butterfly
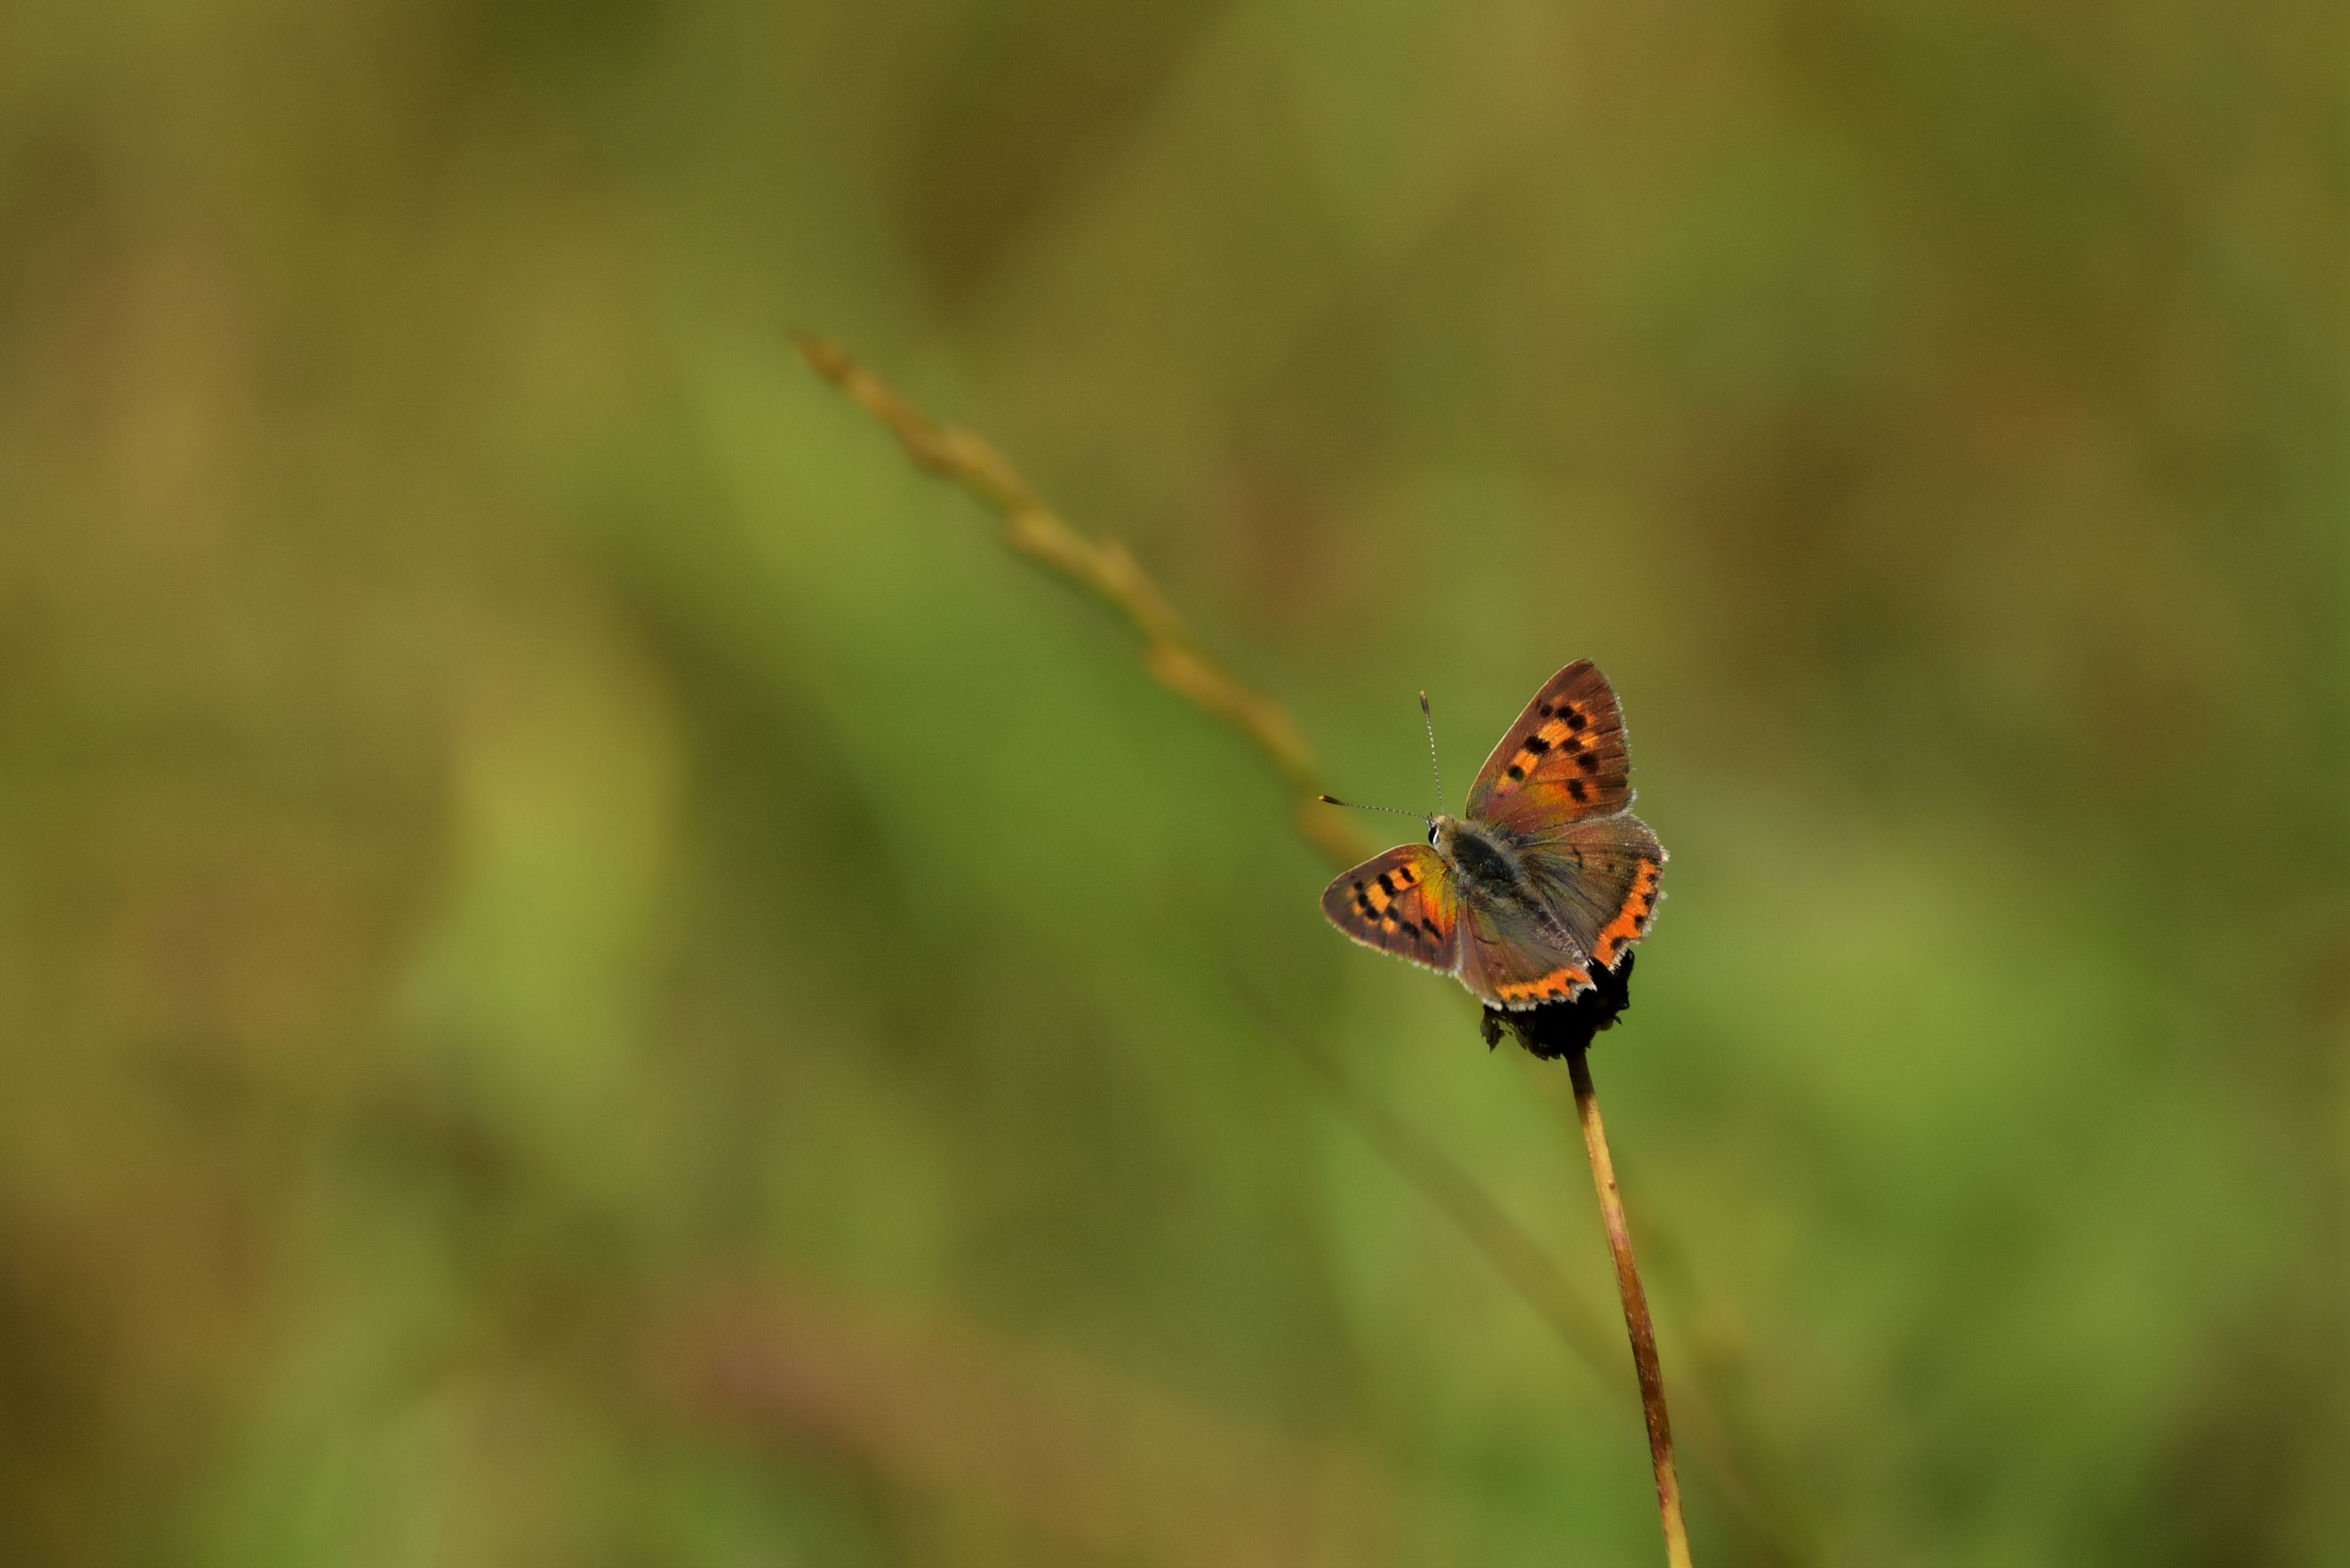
1545,879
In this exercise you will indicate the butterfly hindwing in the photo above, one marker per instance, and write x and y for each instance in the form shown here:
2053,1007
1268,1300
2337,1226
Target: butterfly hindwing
1597,878
1565,758
1512,960
1402,902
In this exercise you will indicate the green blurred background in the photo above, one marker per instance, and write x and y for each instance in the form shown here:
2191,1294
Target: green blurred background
591,972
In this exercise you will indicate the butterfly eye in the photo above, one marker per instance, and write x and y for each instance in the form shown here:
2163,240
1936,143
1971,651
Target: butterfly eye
1432,832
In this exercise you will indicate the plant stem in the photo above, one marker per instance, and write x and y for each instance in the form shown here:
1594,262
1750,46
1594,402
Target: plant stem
1105,568
1635,1310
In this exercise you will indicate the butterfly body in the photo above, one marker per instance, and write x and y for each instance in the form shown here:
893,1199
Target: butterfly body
1481,858
1545,880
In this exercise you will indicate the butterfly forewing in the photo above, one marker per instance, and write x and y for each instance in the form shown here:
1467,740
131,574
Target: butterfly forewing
1401,902
1565,758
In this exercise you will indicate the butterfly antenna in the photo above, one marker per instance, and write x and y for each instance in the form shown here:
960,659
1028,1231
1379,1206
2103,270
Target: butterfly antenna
1429,720
1358,805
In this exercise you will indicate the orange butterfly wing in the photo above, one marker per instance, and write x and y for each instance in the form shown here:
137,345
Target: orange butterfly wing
1511,962
1402,902
1565,758
1560,782
1597,878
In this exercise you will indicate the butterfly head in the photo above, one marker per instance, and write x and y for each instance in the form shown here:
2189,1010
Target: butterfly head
1444,835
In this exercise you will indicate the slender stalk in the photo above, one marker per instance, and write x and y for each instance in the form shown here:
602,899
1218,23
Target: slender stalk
1105,568
1635,1310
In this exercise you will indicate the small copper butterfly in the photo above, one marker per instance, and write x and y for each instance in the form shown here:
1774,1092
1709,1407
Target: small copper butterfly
1547,876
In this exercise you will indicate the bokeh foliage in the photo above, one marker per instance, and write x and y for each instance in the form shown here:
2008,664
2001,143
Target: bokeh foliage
591,972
